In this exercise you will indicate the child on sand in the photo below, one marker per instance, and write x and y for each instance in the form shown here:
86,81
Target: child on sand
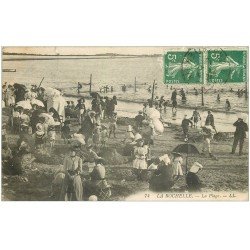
177,165
129,135
97,137
52,135
113,125
39,136
104,136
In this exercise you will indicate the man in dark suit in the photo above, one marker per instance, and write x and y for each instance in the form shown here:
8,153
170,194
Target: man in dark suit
239,135
88,125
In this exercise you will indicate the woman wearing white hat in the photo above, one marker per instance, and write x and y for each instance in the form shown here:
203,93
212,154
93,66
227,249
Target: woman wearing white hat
193,181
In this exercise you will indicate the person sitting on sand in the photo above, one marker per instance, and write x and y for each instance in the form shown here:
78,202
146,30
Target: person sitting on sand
4,131
6,158
97,184
39,136
162,179
140,160
129,135
21,158
177,162
89,157
54,114
193,182
52,135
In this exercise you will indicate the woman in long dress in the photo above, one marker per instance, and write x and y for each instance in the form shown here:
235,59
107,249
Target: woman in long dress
140,162
72,186
10,96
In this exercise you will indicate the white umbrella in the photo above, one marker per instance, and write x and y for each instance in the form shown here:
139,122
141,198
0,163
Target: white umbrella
78,138
37,102
52,92
24,104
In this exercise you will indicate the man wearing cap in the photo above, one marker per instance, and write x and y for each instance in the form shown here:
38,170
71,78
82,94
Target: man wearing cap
185,125
239,135
210,119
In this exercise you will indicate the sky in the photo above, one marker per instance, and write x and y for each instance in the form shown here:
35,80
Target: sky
85,50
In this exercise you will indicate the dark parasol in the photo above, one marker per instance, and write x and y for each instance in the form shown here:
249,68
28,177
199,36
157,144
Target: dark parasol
188,149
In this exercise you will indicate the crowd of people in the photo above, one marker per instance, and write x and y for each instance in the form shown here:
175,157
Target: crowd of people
39,115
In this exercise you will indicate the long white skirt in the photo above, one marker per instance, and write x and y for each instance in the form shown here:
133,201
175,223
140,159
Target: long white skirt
177,169
140,164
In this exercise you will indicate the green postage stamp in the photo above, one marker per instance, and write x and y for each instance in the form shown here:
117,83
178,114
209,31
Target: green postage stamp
226,66
183,67
205,65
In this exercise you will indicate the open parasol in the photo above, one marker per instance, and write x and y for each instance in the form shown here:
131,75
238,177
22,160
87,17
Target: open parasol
24,105
52,92
49,119
37,102
188,149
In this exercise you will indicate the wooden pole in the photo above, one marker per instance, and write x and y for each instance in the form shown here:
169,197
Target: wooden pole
90,83
40,83
246,91
78,89
153,92
135,84
202,96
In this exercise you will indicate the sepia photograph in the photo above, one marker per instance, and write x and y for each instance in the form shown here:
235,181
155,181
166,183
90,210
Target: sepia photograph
125,123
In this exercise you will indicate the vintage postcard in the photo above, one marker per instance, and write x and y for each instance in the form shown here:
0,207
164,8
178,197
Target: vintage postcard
125,123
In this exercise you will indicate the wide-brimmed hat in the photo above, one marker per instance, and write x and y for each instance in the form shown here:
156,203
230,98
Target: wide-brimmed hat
39,126
137,137
195,167
165,158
